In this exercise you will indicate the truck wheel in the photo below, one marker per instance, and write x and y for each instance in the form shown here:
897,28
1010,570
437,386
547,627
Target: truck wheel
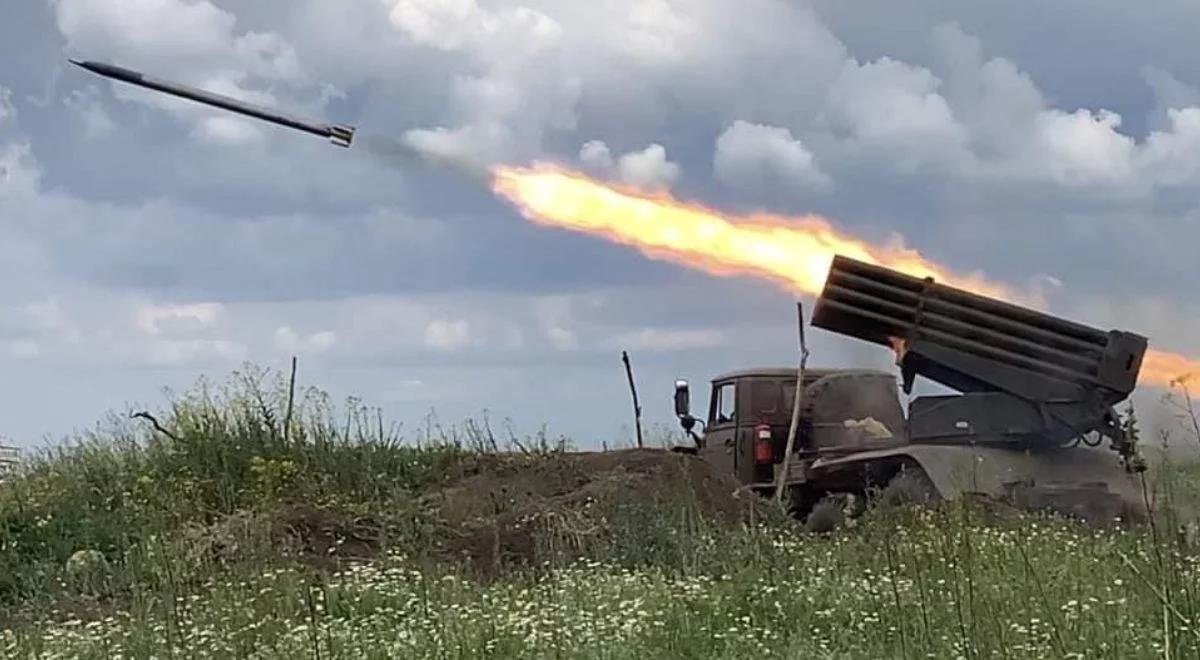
910,486
831,512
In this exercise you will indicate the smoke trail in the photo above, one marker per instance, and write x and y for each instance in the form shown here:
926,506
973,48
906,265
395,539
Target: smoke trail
409,152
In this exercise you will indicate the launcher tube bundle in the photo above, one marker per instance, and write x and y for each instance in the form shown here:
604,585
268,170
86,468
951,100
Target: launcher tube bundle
1025,376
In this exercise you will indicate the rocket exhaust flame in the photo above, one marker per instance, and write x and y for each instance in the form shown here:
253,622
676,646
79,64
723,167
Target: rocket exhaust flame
794,253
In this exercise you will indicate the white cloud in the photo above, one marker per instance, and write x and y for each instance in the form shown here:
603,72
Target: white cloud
458,24
227,131
182,352
1171,157
448,335
985,122
665,340
893,112
996,101
178,320
554,317
90,110
655,32
194,36
288,341
596,157
752,156
648,168
517,89
20,175
192,41
561,338
7,111
1169,94
1082,148
445,25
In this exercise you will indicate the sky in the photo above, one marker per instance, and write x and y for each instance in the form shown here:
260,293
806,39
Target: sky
146,242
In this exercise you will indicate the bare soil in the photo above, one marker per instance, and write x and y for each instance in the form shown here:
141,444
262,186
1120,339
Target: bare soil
500,511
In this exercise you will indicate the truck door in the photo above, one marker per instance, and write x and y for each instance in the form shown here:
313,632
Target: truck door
759,403
721,433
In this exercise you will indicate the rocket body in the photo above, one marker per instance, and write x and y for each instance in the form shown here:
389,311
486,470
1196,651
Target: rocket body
338,134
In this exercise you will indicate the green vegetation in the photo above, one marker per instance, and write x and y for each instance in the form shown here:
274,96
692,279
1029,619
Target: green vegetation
246,531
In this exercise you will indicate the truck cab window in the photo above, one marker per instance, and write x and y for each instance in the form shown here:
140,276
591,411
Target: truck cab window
726,398
764,397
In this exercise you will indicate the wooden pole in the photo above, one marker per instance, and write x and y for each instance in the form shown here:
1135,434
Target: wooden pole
781,479
637,408
287,418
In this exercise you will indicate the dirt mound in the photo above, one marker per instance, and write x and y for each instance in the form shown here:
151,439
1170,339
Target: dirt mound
493,512
506,482
323,533
315,535
525,510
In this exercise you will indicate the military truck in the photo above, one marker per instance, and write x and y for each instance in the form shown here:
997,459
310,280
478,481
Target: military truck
1035,404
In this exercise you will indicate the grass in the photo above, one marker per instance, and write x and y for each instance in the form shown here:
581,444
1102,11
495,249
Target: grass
132,543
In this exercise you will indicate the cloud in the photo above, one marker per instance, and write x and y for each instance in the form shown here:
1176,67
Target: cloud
179,320
666,340
194,42
89,109
448,335
288,341
182,352
7,111
892,111
656,32
1170,93
596,157
1016,137
754,156
20,175
1171,157
518,90
1084,148
194,36
648,169
459,24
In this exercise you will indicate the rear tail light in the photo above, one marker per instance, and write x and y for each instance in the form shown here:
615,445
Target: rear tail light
763,451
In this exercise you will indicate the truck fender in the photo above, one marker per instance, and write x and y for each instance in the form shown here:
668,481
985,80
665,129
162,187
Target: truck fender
1086,478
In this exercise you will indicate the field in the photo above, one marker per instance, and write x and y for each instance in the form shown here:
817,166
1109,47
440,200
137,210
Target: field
250,527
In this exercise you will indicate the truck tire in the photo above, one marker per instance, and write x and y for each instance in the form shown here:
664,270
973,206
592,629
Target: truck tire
910,486
831,512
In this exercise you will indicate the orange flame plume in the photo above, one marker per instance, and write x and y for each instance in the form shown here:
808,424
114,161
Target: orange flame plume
793,252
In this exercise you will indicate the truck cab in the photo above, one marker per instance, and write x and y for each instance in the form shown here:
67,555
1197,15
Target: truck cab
750,411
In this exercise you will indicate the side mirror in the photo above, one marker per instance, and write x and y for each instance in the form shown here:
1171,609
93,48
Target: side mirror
683,399
683,406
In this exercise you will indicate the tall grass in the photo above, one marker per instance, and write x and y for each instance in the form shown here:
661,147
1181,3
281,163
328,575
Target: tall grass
129,492
139,543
